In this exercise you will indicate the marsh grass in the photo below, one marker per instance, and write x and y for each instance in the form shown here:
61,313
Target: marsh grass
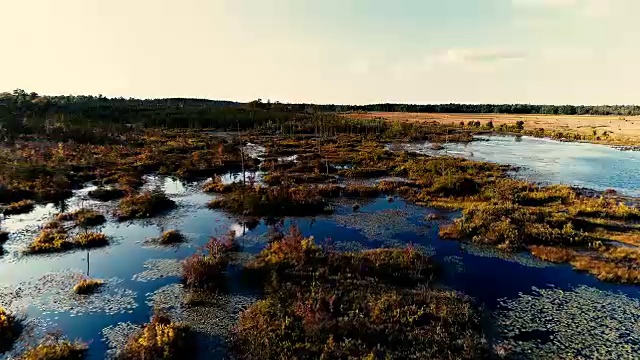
144,205
83,217
206,268
54,238
159,339
106,193
272,201
10,329
90,239
20,207
170,237
553,254
372,304
54,347
87,286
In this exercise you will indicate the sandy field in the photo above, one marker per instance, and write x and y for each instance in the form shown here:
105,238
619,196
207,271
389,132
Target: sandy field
621,129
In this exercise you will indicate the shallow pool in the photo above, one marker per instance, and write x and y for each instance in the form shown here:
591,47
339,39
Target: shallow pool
548,161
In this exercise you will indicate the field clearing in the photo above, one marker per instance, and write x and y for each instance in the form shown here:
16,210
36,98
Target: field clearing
621,129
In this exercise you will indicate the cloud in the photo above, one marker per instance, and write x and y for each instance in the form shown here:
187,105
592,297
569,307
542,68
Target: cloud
585,8
478,56
545,3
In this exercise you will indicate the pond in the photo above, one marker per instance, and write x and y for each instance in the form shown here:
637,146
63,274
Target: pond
540,308
591,166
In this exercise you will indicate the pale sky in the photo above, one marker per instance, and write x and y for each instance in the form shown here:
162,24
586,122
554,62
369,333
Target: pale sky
326,51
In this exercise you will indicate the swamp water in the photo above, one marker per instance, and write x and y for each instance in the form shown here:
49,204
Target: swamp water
591,166
537,310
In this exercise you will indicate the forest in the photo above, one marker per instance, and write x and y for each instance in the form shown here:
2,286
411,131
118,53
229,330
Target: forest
23,112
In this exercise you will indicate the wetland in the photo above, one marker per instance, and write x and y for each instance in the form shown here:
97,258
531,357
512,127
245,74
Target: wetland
318,237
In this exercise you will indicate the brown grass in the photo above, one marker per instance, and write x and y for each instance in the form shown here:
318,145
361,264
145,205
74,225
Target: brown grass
622,131
552,253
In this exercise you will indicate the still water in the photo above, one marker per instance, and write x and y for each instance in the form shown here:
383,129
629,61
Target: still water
538,309
592,166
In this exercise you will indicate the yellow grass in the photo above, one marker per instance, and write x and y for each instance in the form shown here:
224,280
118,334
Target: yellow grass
622,130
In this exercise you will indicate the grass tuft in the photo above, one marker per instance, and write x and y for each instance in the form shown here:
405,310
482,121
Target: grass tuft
87,286
144,205
170,237
83,217
55,348
159,339
20,207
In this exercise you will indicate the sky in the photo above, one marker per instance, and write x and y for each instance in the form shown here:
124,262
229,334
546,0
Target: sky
329,51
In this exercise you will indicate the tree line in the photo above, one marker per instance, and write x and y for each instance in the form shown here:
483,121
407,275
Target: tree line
23,112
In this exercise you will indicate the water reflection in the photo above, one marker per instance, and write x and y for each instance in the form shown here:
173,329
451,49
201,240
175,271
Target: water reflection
548,161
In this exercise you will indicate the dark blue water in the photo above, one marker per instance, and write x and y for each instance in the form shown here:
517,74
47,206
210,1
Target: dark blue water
485,275
592,166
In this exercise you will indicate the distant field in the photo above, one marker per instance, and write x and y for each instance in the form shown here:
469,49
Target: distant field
623,129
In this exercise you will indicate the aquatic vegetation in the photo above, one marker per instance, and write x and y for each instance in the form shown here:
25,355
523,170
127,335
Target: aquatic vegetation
206,268
87,240
489,251
9,329
171,237
20,207
53,293
106,193
380,225
578,323
144,205
83,217
158,269
159,339
87,286
170,299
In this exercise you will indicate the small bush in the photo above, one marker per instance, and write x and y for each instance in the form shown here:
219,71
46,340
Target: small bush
90,240
55,348
9,330
106,194
144,205
83,217
20,207
171,237
292,252
159,339
87,286
206,268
